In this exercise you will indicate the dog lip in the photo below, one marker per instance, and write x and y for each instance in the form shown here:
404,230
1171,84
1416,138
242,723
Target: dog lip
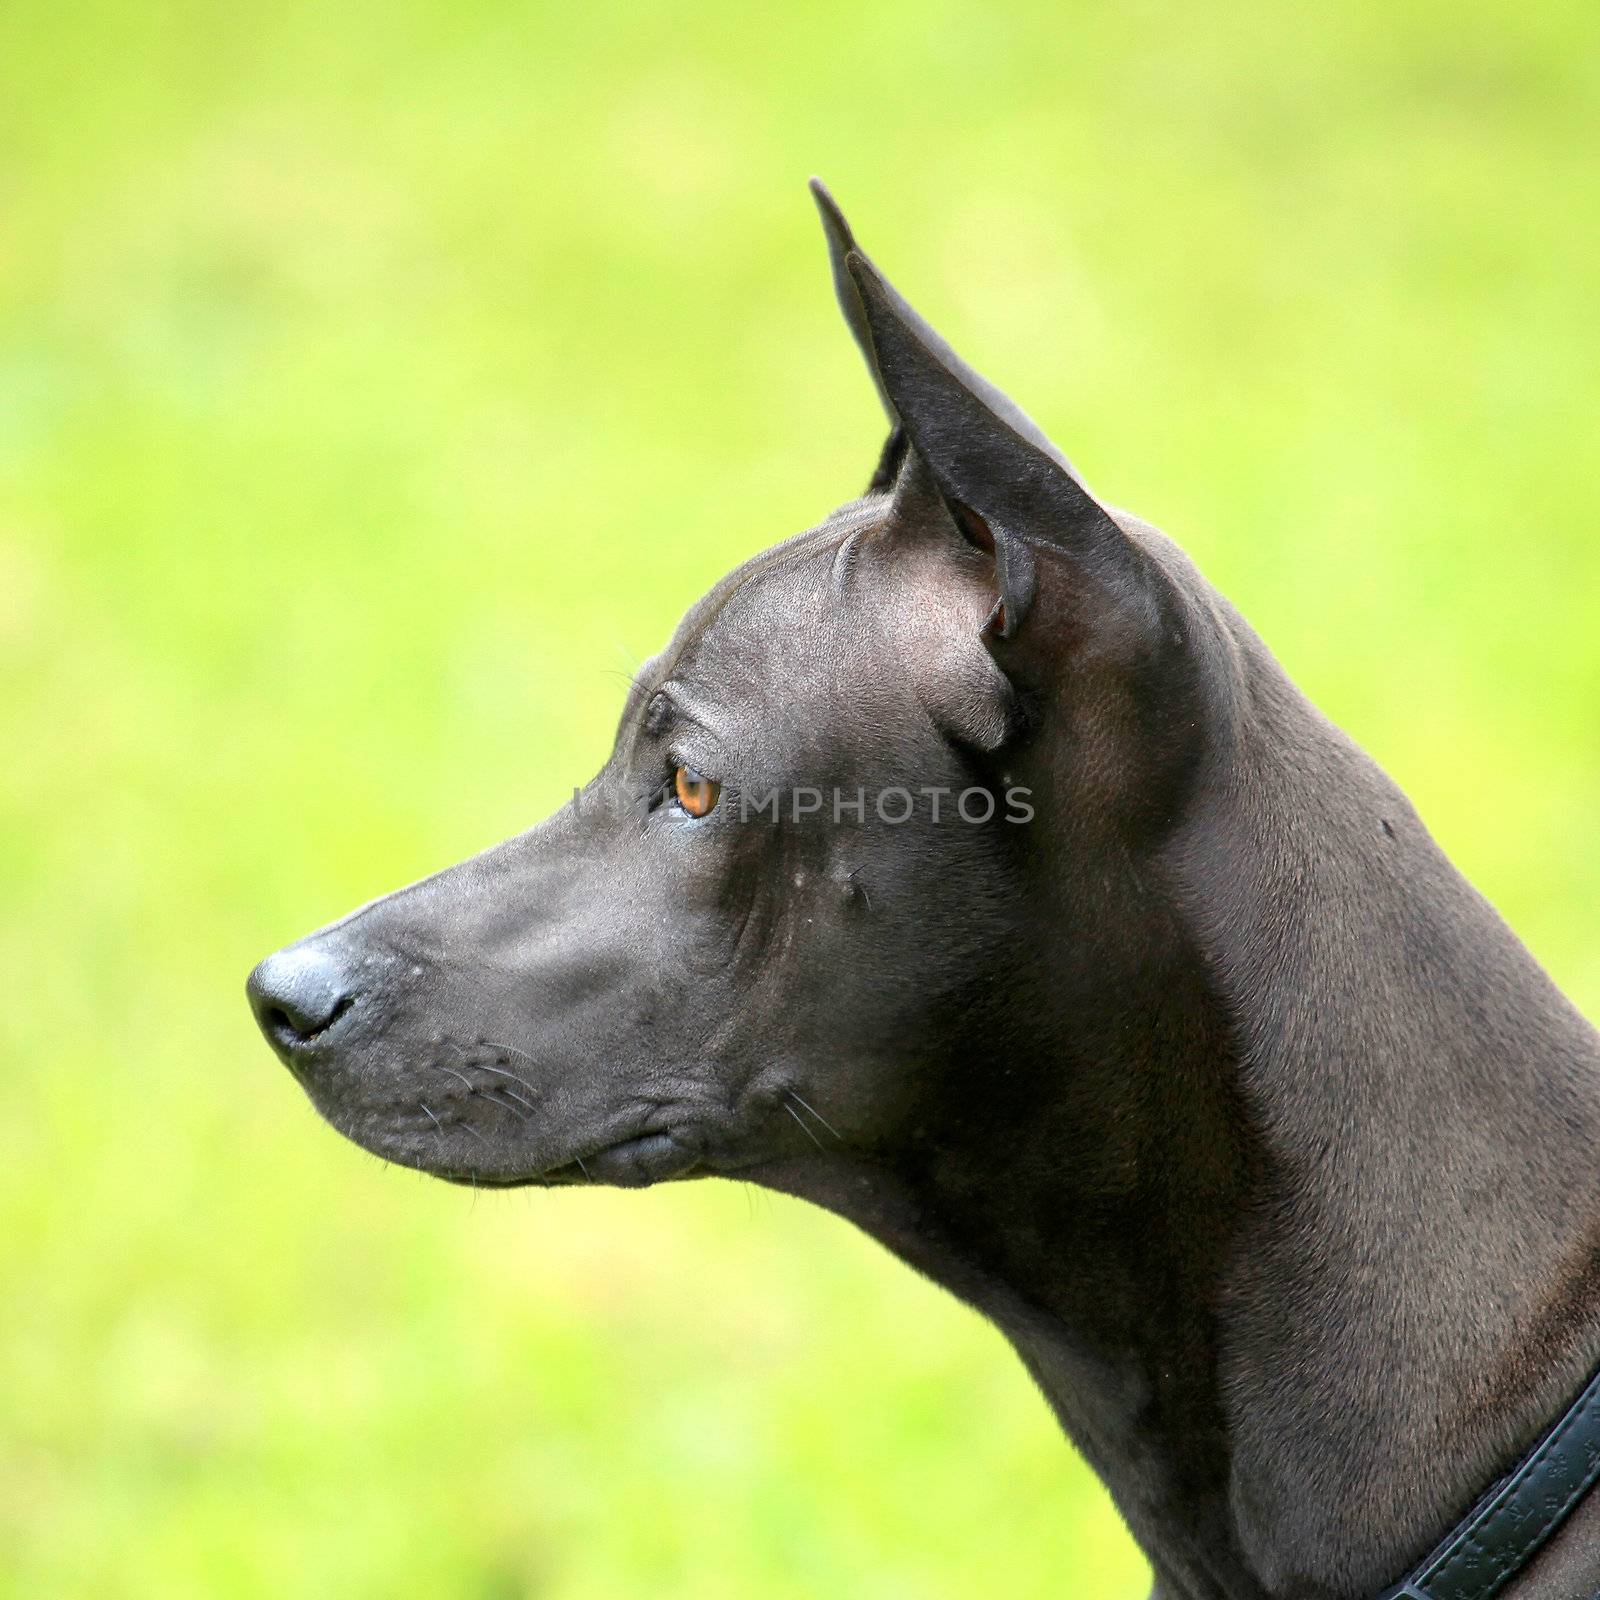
575,1170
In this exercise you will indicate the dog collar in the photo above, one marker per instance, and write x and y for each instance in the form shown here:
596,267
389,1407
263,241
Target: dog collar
1505,1529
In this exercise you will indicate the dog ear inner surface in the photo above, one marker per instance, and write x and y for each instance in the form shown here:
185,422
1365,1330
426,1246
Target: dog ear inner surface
1006,493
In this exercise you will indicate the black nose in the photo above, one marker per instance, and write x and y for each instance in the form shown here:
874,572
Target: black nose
299,995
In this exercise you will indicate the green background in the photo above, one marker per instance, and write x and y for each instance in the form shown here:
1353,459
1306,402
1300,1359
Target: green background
377,385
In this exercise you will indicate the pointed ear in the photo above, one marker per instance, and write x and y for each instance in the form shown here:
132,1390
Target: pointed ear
841,242
1010,491
841,246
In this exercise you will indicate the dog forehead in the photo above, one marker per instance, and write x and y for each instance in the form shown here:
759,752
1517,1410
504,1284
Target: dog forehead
837,639
779,620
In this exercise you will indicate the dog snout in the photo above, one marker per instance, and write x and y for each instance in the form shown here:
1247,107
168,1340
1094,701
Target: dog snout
300,995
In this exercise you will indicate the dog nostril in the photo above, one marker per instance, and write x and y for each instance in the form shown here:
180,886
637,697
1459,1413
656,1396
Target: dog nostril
298,995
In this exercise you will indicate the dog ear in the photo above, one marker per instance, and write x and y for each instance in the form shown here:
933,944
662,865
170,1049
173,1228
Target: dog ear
841,246
1010,491
841,241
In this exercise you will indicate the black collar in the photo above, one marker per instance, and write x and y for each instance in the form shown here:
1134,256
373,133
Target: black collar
1502,1533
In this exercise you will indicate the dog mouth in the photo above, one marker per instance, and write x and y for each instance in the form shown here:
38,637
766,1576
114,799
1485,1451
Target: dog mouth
469,1117
632,1163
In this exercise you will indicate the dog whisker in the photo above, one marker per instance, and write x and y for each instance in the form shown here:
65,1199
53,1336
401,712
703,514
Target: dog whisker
505,1052
633,677
794,1094
508,1049
803,1125
491,1096
500,1072
438,1125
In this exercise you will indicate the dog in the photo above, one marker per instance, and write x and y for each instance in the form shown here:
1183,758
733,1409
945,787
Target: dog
967,866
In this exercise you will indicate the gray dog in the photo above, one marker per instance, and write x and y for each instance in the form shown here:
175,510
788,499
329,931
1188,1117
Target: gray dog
967,866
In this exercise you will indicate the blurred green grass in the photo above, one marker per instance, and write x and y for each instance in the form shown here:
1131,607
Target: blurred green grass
376,388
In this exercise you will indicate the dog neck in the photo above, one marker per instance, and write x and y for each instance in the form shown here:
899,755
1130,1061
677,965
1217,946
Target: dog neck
1300,1236
1415,1286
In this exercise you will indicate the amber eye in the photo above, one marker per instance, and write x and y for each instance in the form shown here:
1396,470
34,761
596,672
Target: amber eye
696,794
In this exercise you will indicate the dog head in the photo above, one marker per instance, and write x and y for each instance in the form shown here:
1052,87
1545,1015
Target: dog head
797,910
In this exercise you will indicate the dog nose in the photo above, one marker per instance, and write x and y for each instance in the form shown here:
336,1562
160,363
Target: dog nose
299,995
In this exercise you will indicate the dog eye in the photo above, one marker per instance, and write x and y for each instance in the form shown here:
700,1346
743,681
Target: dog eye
696,793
